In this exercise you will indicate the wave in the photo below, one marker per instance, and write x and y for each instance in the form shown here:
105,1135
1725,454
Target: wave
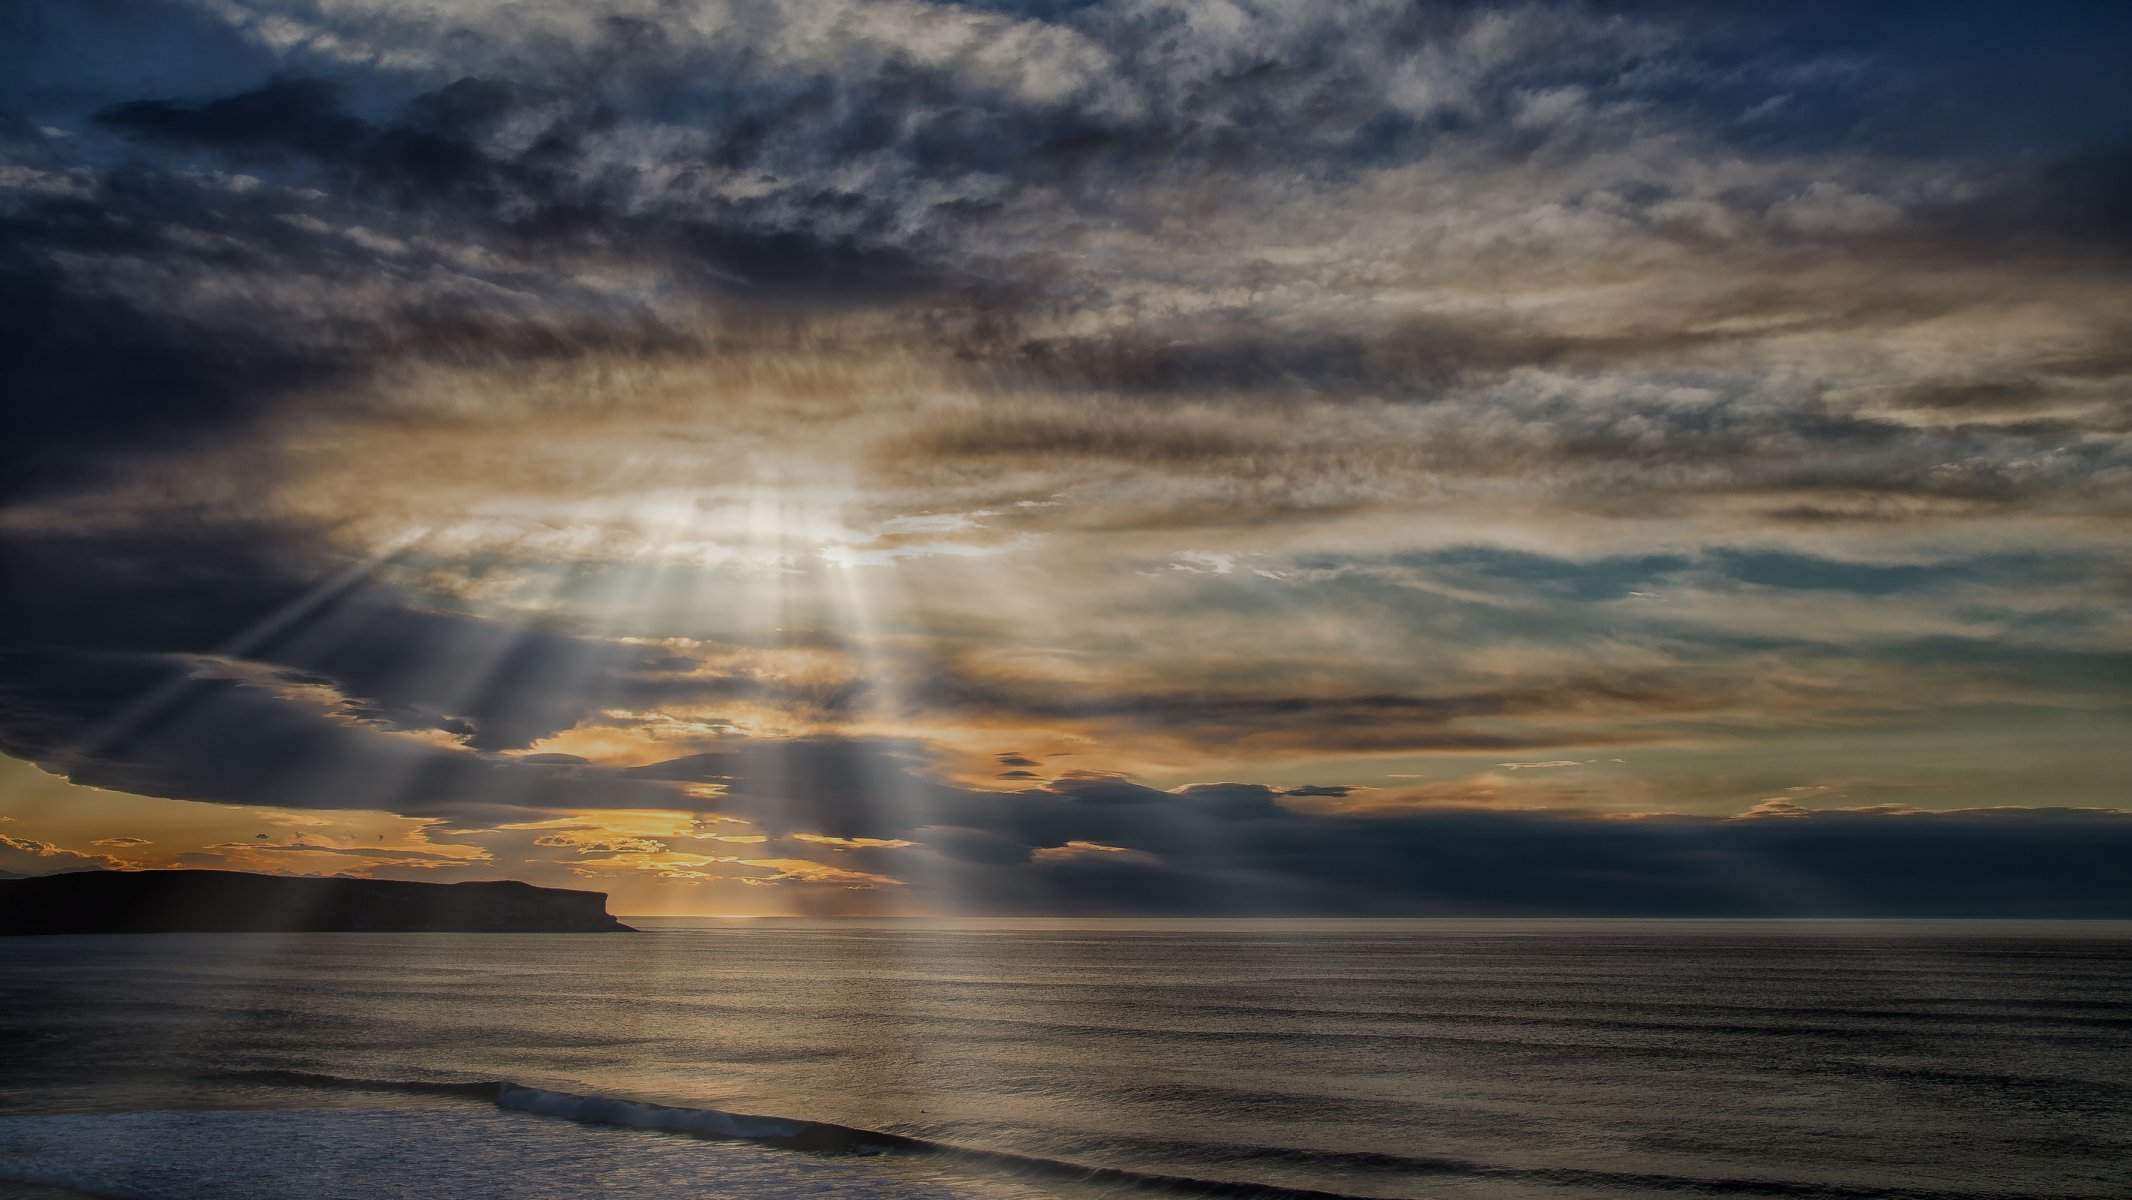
783,1132
474,1089
827,1137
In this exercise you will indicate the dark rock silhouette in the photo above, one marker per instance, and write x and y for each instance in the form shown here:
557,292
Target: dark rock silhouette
235,902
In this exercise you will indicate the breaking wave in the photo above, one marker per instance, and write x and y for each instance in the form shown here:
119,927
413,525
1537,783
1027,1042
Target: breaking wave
827,1137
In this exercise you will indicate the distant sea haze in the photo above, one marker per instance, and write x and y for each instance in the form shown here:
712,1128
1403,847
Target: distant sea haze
1445,1060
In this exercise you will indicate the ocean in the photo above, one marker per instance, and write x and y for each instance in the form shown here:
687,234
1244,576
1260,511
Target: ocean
1056,1060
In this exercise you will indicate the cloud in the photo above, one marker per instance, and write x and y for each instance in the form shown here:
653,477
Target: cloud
30,856
1775,808
845,843
691,176
495,412
1054,855
799,870
437,156
1465,862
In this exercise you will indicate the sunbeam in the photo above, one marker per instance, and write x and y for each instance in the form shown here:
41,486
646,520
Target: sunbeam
1474,599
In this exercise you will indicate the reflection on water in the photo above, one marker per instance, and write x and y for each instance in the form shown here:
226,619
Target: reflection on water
1383,1058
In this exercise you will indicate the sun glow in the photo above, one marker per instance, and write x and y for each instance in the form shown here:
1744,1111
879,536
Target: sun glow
977,508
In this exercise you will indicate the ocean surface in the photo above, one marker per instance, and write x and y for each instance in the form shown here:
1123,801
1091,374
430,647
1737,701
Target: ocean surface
1568,1060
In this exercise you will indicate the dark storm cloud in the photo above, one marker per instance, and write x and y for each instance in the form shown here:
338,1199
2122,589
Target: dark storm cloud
1416,358
303,118
184,729
2030,863
872,788
161,312
1531,712
226,664
835,786
1093,91
185,586
435,157
95,379
1093,843
211,739
260,593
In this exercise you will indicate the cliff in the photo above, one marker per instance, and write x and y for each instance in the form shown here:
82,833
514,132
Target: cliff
235,902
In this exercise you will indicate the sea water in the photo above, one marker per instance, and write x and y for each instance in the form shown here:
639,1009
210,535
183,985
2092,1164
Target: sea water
1066,1059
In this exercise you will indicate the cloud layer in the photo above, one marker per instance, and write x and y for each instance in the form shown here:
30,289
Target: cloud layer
924,423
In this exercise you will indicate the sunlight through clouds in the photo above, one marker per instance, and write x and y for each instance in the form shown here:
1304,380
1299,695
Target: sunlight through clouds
927,448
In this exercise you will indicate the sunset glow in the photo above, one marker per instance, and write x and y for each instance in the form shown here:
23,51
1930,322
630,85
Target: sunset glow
898,458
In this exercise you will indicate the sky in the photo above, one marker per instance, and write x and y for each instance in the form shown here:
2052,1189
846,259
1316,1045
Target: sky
847,457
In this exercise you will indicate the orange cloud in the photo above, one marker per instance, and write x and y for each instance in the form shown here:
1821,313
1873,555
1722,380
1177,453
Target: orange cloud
1074,850
801,870
843,843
